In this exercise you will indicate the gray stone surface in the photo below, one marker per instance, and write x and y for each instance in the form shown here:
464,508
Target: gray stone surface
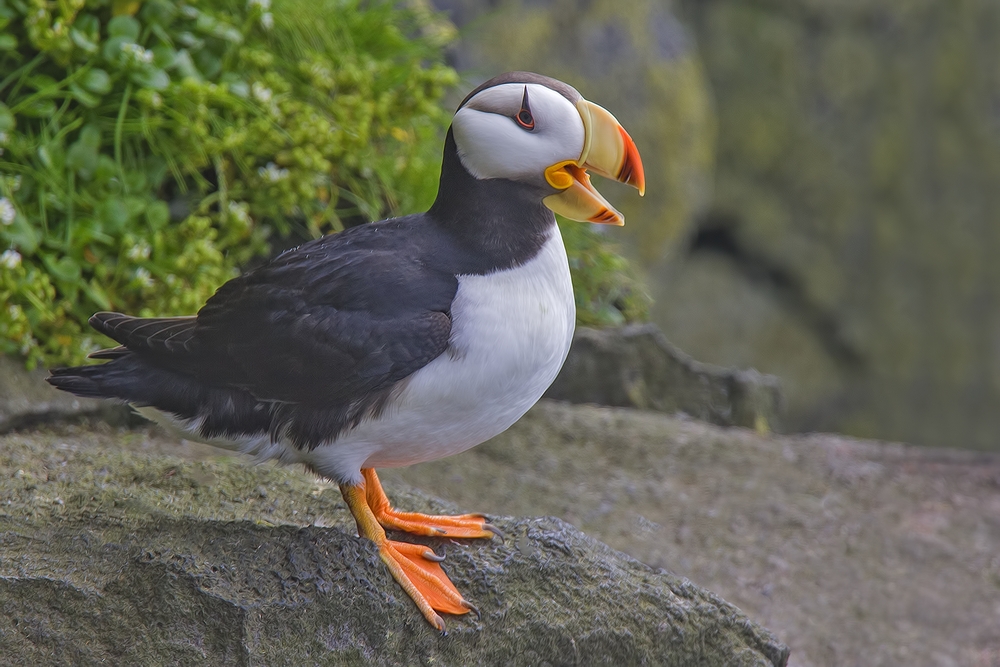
25,398
636,366
852,552
113,556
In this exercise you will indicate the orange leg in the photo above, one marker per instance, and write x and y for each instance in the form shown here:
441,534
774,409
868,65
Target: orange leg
432,525
415,567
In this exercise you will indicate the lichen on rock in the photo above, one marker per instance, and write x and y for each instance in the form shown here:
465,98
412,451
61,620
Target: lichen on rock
110,552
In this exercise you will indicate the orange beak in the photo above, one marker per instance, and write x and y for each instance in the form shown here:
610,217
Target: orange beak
609,151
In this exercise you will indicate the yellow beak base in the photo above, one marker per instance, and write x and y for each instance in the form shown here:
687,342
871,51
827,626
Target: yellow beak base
580,200
609,151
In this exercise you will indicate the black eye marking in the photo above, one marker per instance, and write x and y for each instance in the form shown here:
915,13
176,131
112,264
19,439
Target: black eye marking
524,117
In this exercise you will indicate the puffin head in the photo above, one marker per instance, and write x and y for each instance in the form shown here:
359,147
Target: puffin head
532,129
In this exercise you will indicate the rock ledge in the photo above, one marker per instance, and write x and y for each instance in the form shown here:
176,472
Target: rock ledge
123,557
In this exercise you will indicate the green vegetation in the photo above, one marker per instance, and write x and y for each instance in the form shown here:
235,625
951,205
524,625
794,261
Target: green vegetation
148,150
607,290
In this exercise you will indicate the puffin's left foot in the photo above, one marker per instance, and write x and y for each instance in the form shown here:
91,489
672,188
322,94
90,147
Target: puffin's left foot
433,525
415,567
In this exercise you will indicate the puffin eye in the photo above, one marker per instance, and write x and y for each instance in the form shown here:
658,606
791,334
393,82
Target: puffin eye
524,117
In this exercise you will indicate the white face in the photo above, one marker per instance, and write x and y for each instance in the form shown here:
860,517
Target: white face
492,144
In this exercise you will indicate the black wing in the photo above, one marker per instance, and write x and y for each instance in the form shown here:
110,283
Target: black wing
325,323
321,334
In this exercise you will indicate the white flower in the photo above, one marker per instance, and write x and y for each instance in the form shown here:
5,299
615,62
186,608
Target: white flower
263,4
272,173
3,137
10,259
140,250
267,20
138,53
7,212
143,277
240,211
262,93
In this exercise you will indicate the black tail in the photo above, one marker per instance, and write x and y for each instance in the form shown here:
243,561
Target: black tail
132,374
129,378
85,381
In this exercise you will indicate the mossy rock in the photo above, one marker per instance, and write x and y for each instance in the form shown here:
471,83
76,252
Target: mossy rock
109,553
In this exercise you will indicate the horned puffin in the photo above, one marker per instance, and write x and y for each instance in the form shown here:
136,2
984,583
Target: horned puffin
396,342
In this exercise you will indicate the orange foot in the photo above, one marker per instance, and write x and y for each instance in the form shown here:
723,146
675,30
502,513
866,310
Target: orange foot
415,567
431,525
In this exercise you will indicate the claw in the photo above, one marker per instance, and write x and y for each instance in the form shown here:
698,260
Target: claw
496,531
470,607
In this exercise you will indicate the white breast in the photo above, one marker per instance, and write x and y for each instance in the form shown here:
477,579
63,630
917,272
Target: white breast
511,331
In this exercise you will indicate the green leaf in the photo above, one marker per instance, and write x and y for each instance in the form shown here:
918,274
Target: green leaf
63,268
91,136
83,97
83,40
39,109
88,230
124,26
229,34
82,158
208,63
22,235
8,42
156,79
115,213
135,180
205,23
97,294
164,56
7,121
239,88
106,168
96,81
44,156
191,41
157,214
184,66
41,82
134,205
158,12
112,50
89,25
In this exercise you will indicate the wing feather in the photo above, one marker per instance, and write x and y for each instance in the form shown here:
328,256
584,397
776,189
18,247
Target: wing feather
324,325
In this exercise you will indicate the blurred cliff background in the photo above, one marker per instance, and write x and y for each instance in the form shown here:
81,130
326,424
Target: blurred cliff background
822,202
823,199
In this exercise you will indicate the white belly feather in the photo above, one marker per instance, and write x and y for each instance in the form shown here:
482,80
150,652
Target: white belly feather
511,331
